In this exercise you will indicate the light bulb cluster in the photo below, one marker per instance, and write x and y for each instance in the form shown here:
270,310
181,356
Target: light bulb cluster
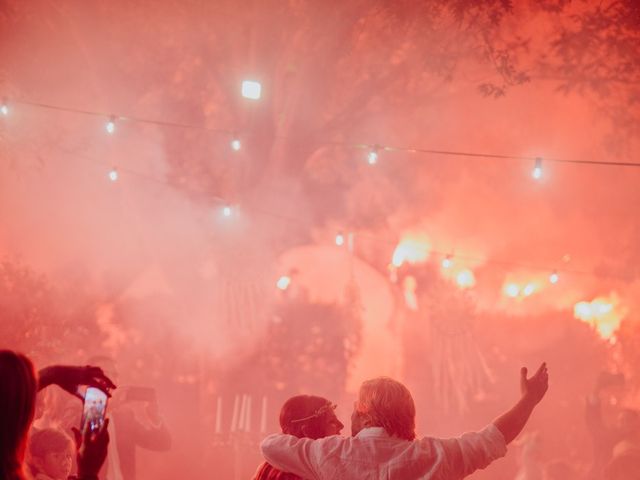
513,290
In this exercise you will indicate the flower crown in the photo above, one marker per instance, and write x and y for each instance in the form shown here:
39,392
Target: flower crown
327,407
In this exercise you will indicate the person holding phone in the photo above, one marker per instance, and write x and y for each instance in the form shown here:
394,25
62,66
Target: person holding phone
127,430
18,387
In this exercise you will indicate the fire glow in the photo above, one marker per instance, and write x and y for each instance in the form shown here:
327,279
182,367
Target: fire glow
603,314
411,249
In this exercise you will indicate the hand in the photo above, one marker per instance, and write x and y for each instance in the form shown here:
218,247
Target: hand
534,388
70,377
92,450
153,411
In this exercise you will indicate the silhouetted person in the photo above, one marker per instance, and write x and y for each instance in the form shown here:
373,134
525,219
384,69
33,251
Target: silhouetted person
18,387
384,446
127,431
607,437
303,416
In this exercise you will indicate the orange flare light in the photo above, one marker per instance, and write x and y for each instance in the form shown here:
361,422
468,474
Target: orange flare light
411,249
603,314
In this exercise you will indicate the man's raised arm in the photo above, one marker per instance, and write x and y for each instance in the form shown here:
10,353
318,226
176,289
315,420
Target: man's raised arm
533,389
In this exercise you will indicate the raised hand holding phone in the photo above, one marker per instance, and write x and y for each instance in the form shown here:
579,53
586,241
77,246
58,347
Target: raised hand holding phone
92,450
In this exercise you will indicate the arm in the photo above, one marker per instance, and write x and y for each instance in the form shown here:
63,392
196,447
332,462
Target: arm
472,451
287,453
70,378
533,390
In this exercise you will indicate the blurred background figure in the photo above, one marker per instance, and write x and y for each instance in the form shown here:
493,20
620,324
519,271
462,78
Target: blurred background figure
614,442
560,470
50,454
303,416
55,409
529,458
130,425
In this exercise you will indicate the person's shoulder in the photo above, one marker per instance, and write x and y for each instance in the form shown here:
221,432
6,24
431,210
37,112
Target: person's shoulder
431,443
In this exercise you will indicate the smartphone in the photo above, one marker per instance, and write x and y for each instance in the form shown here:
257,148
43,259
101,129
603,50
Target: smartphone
94,410
140,394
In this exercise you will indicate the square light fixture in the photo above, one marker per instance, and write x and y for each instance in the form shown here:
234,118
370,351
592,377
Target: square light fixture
251,89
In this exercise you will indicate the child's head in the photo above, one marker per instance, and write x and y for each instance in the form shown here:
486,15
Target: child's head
51,453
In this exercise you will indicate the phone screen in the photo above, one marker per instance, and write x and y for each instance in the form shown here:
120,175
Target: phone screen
95,408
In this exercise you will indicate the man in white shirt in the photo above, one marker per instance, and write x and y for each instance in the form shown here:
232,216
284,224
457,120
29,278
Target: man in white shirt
384,446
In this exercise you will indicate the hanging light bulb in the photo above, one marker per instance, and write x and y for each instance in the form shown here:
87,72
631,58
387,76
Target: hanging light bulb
283,282
512,290
537,169
372,156
4,108
235,144
447,262
465,279
113,174
339,239
111,125
528,290
553,278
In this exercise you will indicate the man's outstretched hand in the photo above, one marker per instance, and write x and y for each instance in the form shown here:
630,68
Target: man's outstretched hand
70,378
534,388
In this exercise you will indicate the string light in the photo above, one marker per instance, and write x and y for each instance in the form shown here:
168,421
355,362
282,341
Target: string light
251,89
339,239
390,148
372,156
447,262
111,125
465,279
537,169
235,144
227,211
512,290
113,174
283,282
528,289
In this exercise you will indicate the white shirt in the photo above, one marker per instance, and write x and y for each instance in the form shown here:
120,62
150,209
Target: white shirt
373,454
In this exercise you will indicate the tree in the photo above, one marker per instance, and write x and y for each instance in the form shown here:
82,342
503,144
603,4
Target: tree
46,321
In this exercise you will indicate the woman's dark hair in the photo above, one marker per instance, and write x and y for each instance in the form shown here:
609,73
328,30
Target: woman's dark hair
18,386
304,416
